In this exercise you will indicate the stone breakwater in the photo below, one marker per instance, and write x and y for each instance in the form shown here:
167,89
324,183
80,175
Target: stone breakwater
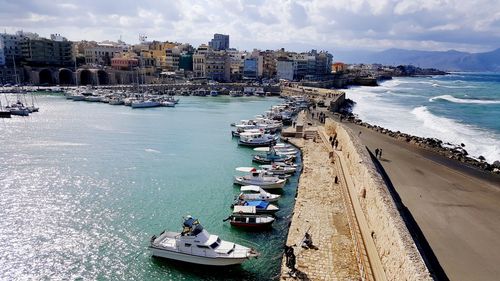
397,251
456,152
320,210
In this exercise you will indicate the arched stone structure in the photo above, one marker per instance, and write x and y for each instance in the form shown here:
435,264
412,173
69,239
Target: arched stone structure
66,77
86,77
45,77
102,77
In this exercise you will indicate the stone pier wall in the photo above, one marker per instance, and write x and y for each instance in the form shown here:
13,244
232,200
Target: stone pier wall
398,253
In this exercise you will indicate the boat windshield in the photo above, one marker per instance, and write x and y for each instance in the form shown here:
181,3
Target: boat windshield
214,245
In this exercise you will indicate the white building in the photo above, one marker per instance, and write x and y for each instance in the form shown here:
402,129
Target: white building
286,69
102,53
10,46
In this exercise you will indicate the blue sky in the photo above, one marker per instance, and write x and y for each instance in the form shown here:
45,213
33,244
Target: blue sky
323,24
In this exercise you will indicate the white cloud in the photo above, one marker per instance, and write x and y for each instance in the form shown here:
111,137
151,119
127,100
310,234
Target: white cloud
370,24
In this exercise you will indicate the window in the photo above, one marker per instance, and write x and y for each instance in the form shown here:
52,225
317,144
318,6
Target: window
214,245
187,244
202,246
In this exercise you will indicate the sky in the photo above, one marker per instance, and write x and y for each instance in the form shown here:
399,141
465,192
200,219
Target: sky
343,25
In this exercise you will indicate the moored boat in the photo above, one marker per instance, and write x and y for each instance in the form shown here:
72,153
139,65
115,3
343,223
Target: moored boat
247,217
261,207
195,245
260,178
256,139
256,193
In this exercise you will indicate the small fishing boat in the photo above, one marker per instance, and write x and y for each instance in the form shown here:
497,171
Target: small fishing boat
261,207
144,104
277,169
214,93
273,155
256,139
247,217
195,245
259,178
256,193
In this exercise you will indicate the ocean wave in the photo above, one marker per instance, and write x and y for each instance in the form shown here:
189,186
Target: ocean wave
477,141
451,98
152,150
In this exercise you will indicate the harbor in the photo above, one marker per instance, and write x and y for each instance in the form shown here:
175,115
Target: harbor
90,219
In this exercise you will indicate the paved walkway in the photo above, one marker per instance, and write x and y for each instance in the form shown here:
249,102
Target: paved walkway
320,209
457,208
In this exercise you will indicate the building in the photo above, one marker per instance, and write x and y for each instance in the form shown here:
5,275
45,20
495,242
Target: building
101,54
338,67
286,69
236,61
57,51
186,61
268,64
124,63
10,47
250,68
217,66
219,42
199,62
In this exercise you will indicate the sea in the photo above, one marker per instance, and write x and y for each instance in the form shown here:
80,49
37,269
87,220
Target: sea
458,108
85,185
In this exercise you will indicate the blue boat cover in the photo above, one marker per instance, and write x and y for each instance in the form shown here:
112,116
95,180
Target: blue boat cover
258,204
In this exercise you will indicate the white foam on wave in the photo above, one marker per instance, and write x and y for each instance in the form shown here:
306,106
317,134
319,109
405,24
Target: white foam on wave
152,150
375,109
477,141
451,98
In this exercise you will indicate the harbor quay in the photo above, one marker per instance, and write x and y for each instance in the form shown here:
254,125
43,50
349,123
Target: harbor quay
344,204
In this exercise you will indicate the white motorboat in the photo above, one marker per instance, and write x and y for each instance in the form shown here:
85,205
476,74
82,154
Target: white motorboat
261,207
255,139
260,178
168,103
195,245
256,193
145,104
276,169
93,98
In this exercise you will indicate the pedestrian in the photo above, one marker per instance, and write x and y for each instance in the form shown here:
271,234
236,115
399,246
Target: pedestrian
380,154
290,260
336,179
376,153
330,139
333,143
359,134
293,124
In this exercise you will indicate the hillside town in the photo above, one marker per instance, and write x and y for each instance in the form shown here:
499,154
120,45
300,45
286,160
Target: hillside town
27,58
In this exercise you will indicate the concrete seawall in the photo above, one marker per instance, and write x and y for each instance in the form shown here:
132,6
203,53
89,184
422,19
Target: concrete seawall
396,249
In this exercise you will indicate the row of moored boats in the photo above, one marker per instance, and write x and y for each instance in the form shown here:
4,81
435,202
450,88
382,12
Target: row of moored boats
254,208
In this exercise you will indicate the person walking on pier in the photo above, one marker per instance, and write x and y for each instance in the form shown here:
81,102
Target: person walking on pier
376,153
290,260
380,154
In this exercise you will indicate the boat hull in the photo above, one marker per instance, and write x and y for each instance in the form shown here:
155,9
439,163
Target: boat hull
163,253
275,185
252,225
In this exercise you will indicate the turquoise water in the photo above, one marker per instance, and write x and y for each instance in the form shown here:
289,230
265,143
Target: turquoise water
457,108
84,186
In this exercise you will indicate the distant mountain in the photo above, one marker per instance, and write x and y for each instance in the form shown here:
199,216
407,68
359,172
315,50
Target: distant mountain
449,60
